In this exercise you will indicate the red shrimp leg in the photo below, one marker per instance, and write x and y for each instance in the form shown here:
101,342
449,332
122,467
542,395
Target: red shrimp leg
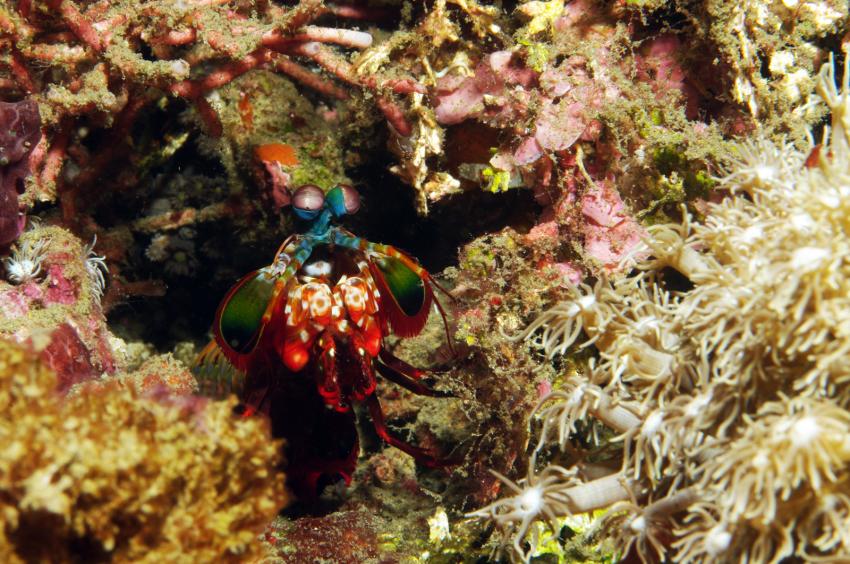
407,382
326,380
366,383
399,365
420,454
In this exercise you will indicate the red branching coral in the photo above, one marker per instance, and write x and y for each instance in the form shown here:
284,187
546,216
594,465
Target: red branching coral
109,60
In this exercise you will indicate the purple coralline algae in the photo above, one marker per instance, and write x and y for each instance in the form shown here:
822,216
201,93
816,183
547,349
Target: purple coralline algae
20,131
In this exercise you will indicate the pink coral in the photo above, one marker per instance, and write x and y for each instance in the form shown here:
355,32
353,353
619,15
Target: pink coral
528,151
609,232
68,357
544,388
569,272
565,102
560,124
544,233
659,65
495,75
575,14
60,290
13,303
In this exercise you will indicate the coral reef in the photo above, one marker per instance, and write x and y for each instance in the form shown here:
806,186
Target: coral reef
726,390
648,303
745,36
114,475
123,88
110,60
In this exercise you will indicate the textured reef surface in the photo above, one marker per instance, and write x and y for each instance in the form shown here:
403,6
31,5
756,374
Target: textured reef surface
633,214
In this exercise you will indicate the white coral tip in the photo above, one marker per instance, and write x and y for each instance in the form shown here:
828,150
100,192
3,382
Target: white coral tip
717,540
531,501
652,424
807,258
804,431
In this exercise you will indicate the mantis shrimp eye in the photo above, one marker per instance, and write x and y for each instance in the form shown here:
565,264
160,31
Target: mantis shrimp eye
344,200
307,201
351,198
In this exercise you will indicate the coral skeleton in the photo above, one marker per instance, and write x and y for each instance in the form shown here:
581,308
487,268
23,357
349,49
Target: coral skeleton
734,392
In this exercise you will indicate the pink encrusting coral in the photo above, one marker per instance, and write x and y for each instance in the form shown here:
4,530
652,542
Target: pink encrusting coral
659,65
598,218
503,91
610,232
494,93
558,113
72,361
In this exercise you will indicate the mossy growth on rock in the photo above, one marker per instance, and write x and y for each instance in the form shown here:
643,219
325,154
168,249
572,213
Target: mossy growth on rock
114,475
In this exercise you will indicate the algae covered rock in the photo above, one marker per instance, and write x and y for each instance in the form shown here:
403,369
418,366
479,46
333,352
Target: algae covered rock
54,283
115,475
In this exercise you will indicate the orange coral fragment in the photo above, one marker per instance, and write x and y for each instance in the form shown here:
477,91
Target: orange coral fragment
277,152
246,110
